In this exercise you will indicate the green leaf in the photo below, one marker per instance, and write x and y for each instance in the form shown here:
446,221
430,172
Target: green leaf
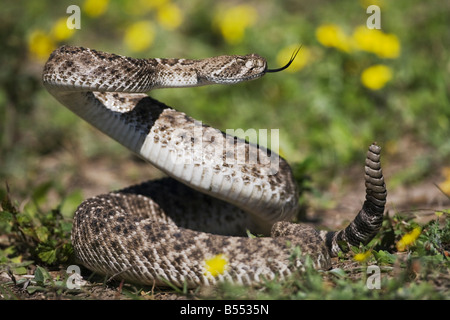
250,235
42,233
66,226
7,251
29,232
338,272
20,270
6,216
384,257
33,289
23,219
48,256
41,275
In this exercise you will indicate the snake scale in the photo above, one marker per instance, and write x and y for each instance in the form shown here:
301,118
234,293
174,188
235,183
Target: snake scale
167,229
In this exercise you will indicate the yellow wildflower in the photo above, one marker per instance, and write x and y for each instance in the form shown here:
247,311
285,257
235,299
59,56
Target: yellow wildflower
384,45
389,47
139,36
366,39
233,22
376,77
331,35
170,16
362,256
40,44
95,8
216,265
408,239
300,61
60,31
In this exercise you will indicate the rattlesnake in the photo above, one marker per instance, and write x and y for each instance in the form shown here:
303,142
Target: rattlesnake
168,229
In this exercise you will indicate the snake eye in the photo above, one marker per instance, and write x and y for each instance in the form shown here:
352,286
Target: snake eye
249,64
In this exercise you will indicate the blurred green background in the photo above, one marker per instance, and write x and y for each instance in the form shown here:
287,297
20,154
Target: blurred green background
348,87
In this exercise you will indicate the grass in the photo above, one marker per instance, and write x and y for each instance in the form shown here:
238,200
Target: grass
50,160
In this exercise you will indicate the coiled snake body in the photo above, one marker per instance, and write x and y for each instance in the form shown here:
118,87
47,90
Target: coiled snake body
167,230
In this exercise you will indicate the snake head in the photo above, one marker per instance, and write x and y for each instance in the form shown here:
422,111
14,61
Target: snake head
232,69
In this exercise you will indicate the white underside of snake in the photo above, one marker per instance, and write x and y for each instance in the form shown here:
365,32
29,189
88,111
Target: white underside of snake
166,230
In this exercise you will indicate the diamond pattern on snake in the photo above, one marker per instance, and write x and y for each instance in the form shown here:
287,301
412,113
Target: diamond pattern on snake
166,230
